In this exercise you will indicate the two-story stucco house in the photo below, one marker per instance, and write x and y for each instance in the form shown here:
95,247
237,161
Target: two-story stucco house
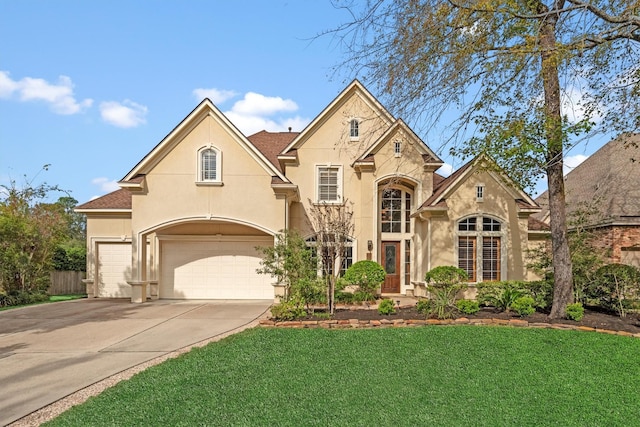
189,215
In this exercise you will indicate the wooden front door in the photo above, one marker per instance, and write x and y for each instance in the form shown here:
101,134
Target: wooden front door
391,263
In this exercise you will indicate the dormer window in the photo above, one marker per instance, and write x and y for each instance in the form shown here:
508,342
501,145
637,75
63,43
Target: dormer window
354,129
209,170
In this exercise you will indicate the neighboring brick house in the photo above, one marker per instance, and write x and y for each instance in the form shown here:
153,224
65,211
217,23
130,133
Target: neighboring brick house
190,214
608,185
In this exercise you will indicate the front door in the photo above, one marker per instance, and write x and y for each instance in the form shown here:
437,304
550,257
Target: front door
391,263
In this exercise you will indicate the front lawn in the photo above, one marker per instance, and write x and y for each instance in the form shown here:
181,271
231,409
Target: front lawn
462,375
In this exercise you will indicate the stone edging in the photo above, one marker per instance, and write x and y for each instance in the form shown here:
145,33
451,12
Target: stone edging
400,323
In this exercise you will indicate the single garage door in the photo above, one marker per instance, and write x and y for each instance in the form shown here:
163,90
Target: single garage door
114,264
214,270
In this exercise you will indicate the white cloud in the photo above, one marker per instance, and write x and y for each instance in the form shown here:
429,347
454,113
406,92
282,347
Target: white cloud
126,114
105,184
7,86
260,105
216,96
445,170
59,96
573,105
571,162
256,112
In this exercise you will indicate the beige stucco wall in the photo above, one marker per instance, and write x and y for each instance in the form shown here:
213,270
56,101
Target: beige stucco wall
109,225
172,193
330,144
499,204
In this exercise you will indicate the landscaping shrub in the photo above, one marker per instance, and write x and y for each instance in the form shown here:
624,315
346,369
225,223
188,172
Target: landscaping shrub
344,297
575,312
523,306
310,290
613,284
14,298
289,310
541,291
500,295
366,275
446,275
424,306
467,306
386,307
443,284
443,300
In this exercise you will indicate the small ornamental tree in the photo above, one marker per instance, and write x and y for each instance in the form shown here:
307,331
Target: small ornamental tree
289,261
333,224
366,275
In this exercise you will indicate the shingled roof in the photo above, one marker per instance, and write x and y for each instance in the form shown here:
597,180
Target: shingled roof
117,200
270,144
608,182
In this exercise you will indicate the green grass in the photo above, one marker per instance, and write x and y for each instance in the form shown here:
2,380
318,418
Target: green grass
444,376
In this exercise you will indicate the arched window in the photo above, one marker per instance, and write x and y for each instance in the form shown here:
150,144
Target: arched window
480,248
209,170
354,129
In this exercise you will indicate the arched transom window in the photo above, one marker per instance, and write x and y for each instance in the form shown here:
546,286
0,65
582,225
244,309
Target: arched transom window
480,248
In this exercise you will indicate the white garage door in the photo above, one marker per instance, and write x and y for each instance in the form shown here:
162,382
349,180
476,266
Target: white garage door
114,264
214,270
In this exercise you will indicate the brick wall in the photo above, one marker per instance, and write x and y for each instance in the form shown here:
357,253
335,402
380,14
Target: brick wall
619,242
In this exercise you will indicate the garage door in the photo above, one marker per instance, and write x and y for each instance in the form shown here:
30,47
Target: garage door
214,270
114,264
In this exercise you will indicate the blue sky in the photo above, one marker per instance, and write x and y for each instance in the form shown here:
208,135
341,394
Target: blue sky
91,87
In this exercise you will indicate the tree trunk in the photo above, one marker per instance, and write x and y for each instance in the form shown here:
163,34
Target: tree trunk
563,280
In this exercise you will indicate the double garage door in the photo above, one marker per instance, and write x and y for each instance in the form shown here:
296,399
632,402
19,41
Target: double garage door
213,270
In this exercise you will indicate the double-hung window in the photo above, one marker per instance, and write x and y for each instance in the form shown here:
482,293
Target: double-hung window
329,182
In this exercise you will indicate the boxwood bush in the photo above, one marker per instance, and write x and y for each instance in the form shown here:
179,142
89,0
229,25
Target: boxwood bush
367,276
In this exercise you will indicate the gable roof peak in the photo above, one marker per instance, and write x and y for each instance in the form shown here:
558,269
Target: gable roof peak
353,88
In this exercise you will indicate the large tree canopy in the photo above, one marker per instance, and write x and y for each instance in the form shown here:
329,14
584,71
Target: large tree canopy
523,78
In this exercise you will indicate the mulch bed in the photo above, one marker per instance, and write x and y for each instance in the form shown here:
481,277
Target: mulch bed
591,319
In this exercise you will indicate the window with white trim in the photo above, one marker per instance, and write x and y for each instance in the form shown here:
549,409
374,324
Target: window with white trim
209,170
354,129
480,192
329,181
397,148
480,248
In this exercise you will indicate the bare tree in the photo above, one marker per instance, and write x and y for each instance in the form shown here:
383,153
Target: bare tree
333,224
523,78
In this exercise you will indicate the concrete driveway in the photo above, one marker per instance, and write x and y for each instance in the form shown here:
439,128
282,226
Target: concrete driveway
50,351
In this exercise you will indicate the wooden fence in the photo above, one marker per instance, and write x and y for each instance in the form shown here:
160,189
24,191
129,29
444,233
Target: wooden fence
67,283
